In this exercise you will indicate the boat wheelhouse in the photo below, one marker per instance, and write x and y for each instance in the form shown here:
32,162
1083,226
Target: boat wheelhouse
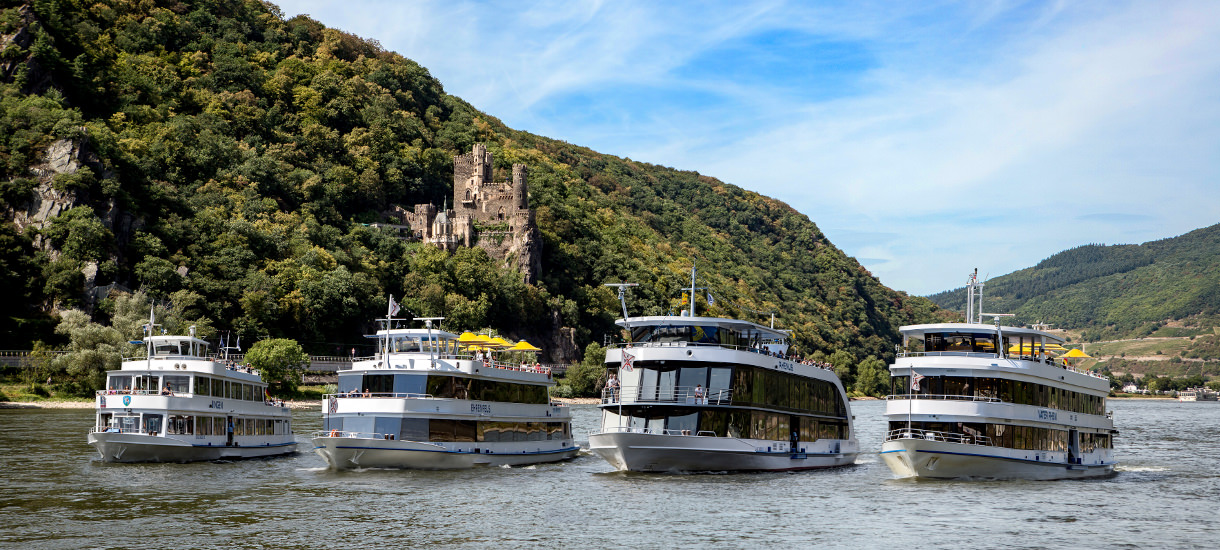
691,394
180,403
979,401
429,400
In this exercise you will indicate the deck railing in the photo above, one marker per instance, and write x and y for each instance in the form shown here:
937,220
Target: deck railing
487,363
688,395
930,435
992,355
941,397
395,395
657,431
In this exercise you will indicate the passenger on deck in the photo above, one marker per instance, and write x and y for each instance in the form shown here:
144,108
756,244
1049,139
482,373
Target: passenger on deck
366,393
166,391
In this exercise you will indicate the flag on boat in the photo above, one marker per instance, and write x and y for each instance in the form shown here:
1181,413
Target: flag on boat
238,346
393,307
915,378
628,359
710,301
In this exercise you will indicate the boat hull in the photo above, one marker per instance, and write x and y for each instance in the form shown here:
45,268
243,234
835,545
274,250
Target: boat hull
121,447
343,453
649,452
928,459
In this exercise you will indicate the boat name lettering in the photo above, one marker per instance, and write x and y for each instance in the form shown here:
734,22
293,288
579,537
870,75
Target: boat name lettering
1045,414
216,404
481,408
784,365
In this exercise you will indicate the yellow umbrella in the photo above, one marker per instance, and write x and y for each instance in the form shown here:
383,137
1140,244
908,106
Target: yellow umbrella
1076,354
524,346
472,338
499,342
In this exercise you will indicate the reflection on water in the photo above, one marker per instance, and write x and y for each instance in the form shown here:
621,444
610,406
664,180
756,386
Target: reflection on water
57,495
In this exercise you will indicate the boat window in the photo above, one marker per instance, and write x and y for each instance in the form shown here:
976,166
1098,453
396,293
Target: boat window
180,424
103,421
380,383
694,376
203,385
152,423
127,423
686,424
167,348
648,384
349,383
414,429
120,383
405,344
248,392
666,385
178,383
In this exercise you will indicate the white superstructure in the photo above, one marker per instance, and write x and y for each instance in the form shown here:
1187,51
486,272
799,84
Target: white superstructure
1198,394
977,400
715,394
426,400
181,404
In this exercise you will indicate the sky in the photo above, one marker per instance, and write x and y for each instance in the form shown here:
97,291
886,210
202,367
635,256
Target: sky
925,139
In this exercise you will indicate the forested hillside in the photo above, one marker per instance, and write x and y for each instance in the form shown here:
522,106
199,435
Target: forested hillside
1113,291
226,161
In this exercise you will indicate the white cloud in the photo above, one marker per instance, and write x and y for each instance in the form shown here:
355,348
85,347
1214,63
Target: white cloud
1046,117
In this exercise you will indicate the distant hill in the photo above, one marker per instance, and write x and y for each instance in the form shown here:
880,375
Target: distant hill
229,160
1113,291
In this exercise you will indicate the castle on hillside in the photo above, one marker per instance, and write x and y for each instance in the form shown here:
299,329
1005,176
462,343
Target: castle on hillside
494,216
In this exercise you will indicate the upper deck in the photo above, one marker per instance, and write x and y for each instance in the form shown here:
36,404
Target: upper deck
954,346
668,330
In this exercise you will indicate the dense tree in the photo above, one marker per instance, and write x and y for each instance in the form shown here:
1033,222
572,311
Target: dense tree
280,361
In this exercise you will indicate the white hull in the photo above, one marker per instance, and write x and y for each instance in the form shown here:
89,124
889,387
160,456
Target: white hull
648,452
926,459
121,447
342,453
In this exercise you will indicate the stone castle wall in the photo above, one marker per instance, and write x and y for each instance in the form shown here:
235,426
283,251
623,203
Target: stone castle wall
479,201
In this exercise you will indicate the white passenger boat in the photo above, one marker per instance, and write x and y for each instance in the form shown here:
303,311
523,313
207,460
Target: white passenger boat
978,401
1197,394
427,401
695,394
179,403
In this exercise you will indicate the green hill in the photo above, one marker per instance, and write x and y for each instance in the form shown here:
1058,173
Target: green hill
1118,291
228,160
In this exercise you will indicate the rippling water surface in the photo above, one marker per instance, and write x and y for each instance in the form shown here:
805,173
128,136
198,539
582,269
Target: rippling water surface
57,495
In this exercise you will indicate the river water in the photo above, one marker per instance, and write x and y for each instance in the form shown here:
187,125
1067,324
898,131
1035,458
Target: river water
57,495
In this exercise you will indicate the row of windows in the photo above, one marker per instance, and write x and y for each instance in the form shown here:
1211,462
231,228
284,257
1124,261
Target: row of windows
444,430
1014,437
178,424
781,390
700,334
737,424
181,384
444,386
486,390
1008,391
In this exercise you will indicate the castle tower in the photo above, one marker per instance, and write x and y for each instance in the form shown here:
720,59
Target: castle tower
521,186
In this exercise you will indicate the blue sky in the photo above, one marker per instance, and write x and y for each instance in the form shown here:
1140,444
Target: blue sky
923,138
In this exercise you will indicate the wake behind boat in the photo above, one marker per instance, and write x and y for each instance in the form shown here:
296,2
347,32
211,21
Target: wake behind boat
714,394
972,400
180,404
430,399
